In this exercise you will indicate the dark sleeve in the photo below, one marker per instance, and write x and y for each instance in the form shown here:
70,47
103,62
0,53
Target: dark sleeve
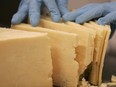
7,9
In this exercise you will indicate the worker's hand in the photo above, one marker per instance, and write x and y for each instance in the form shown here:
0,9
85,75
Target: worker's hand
32,8
106,12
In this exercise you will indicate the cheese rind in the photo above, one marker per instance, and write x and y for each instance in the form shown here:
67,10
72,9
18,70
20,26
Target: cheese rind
65,68
25,59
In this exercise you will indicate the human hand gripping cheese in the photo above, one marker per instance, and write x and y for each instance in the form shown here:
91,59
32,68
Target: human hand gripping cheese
106,13
33,8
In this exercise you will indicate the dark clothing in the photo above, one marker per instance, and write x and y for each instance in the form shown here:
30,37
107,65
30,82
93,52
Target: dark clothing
7,9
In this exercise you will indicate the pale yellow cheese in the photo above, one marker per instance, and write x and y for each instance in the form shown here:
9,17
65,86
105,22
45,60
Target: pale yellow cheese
84,38
25,59
63,44
95,77
111,84
92,32
113,79
107,32
95,65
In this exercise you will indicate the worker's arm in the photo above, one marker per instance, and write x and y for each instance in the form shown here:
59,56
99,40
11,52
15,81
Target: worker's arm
106,12
32,8
6,11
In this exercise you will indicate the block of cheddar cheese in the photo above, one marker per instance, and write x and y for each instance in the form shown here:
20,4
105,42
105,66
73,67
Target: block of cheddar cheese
100,42
63,44
85,40
25,59
107,32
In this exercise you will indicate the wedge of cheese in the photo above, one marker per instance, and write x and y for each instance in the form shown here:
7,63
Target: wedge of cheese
63,44
84,38
25,59
94,76
107,32
100,41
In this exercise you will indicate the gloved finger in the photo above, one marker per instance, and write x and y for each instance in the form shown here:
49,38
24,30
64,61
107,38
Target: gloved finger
109,18
34,12
22,12
53,9
89,15
21,3
71,16
63,6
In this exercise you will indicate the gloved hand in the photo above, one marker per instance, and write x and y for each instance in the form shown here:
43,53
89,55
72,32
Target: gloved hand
106,12
32,9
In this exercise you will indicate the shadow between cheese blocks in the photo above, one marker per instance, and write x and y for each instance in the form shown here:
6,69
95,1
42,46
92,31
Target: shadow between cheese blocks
63,44
25,59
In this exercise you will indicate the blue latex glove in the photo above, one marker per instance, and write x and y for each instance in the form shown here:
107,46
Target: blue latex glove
32,8
106,12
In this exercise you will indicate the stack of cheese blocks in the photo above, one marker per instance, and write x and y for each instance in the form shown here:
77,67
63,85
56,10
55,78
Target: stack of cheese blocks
52,54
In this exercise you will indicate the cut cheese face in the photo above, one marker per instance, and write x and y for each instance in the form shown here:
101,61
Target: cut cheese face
100,50
25,59
85,41
63,44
